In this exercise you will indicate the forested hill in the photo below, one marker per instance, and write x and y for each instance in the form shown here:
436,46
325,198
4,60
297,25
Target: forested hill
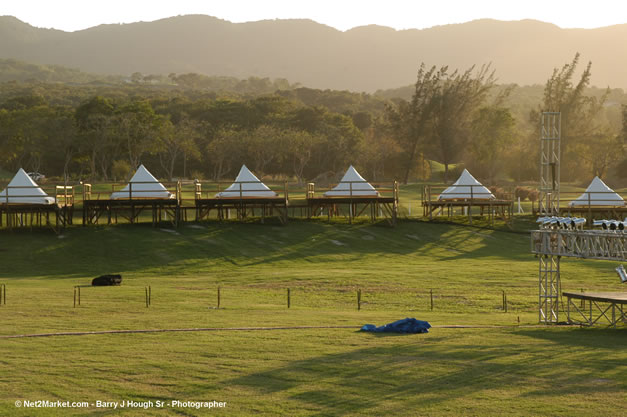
361,59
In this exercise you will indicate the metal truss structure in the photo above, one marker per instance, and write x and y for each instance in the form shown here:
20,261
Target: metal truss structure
551,244
550,134
588,244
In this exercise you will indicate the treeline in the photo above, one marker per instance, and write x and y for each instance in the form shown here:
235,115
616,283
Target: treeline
14,70
189,126
455,116
106,138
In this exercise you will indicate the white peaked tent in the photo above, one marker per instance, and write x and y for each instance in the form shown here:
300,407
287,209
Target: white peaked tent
352,181
600,195
32,194
147,187
461,189
249,185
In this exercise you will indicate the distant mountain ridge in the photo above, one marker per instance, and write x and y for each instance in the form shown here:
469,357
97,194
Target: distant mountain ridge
365,58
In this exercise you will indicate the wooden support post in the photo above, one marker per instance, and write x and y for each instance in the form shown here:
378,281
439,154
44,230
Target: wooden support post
429,200
3,294
218,297
504,301
589,210
470,205
358,299
583,302
77,295
431,293
288,298
146,290
130,197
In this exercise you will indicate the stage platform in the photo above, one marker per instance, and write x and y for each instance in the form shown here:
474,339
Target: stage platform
492,208
469,207
595,307
356,206
36,215
351,204
243,207
592,213
162,209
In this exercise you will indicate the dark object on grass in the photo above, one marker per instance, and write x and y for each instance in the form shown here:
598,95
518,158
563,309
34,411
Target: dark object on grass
400,326
105,280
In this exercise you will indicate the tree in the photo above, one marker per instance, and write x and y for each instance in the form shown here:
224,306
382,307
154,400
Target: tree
492,132
95,123
380,150
221,151
64,133
301,145
455,100
410,120
267,144
600,151
578,111
139,128
121,170
178,140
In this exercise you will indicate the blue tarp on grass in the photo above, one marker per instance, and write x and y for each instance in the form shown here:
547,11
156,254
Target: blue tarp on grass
400,326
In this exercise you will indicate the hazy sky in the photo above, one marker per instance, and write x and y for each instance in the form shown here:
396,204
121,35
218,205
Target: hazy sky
70,15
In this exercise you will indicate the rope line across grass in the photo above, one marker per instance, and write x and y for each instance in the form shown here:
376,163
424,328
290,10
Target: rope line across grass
212,329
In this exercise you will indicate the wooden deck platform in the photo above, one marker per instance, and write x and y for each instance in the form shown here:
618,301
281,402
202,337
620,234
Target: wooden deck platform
244,207
56,216
38,215
352,204
162,209
469,207
595,307
595,212
352,207
491,208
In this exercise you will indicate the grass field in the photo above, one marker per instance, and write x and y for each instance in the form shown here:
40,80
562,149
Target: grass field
512,368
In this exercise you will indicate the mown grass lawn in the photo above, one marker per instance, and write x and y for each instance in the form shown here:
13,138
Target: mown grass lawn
515,369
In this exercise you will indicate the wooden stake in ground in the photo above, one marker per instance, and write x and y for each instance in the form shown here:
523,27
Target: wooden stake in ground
358,300
218,297
77,295
288,298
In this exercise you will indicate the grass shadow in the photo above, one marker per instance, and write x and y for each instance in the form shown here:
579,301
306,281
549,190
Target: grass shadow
86,251
419,373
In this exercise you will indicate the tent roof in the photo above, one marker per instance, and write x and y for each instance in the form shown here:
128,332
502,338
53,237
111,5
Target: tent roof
145,185
352,184
30,194
598,194
461,189
248,184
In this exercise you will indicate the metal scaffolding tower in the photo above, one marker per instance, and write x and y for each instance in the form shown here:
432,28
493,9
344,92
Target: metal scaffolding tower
548,201
549,289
